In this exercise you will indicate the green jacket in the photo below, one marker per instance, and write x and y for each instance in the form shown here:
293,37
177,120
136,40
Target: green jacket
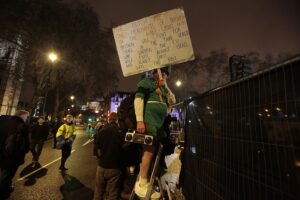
155,111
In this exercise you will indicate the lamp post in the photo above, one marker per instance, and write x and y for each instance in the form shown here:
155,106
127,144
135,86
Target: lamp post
178,84
73,104
52,57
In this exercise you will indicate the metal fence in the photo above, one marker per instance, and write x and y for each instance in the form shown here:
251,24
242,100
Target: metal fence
242,141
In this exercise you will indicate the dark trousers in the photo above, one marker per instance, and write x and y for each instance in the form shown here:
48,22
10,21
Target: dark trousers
107,184
65,153
36,147
6,176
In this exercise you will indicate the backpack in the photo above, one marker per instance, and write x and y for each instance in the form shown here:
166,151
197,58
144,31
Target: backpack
126,113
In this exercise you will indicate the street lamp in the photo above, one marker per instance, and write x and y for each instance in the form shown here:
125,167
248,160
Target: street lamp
178,83
52,57
72,97
181,90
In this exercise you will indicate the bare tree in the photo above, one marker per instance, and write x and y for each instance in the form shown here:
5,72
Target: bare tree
86,51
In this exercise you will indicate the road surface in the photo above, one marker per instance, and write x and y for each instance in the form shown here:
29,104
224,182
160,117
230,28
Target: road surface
47,182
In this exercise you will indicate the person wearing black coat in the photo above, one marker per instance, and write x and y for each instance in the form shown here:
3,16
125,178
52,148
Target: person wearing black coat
39,133
109,141
14,144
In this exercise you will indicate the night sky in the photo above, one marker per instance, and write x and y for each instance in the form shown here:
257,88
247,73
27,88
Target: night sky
240,26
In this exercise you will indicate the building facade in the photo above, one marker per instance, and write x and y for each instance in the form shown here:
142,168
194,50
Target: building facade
11,77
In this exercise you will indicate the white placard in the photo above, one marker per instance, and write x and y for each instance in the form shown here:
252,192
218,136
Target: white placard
153,42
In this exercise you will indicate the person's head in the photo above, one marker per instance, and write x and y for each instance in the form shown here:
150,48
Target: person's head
69,118
112,117
23,114
165,72
41,120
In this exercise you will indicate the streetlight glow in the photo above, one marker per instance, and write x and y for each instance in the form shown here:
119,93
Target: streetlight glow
178,83
52,56
72,97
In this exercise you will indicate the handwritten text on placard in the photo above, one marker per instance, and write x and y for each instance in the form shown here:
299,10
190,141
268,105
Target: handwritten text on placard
153,42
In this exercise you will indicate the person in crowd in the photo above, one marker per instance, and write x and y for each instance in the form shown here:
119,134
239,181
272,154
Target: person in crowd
39,133
97,128
89,131
14,144
65,137
150,117
109,141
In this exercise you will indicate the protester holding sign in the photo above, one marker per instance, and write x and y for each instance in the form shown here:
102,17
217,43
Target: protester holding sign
150,118
143,45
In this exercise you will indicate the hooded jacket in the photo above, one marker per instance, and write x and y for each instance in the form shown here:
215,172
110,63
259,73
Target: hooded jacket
14,141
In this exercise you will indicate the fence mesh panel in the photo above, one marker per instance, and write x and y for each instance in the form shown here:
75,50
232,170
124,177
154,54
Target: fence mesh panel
243,140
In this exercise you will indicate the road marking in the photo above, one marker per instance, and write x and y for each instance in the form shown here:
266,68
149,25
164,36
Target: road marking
87,142
23,177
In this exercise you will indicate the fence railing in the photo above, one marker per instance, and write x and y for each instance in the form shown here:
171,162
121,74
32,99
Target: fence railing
242,140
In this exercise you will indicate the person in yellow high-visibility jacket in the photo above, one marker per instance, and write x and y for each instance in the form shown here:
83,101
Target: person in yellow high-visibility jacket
65,137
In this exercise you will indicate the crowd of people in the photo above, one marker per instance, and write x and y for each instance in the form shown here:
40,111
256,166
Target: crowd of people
18,137
151,104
